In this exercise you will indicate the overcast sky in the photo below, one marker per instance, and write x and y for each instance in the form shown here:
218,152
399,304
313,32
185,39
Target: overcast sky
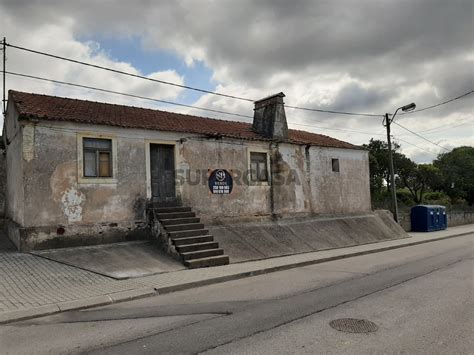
350,55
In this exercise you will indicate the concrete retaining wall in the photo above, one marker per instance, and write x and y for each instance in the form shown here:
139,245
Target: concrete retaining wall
259,240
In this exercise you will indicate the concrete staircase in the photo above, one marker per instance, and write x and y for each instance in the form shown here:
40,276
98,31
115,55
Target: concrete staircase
192,241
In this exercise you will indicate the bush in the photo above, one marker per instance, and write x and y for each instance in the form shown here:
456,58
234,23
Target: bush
405,197
436,198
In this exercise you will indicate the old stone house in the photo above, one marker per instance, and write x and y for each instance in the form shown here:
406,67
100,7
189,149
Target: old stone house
82,172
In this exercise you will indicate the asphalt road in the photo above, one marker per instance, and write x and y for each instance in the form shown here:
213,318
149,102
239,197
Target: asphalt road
420,297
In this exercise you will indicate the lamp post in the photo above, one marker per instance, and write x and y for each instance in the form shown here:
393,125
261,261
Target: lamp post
387,121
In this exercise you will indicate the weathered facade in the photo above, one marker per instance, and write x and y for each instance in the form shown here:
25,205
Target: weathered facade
52,202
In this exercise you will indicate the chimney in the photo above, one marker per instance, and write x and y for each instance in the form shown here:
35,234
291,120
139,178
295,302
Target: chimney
269,117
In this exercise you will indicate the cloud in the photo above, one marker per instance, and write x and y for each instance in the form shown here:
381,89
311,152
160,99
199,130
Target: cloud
58,37
364,56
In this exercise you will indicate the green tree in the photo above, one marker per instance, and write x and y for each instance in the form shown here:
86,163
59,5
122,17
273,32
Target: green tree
379,164
418,178
457,170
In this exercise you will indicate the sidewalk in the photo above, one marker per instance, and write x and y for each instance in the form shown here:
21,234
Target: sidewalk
32,286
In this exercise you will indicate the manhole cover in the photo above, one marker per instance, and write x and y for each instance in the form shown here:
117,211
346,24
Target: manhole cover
351,325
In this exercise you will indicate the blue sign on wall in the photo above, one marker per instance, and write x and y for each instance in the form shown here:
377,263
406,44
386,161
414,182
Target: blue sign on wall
220,182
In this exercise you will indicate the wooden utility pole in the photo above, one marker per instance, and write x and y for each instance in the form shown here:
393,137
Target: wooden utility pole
387,122
4,100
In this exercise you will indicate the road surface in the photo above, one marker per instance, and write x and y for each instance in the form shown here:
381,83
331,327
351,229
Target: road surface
420,297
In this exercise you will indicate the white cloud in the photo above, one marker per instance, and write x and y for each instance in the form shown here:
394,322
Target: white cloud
362,57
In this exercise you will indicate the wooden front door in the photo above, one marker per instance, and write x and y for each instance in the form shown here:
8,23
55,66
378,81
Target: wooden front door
163,188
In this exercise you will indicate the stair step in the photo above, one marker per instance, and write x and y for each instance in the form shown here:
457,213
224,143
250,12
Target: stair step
170,209
197,246
169,215
174,221
199,254
205,262
183,227
188,233
192,240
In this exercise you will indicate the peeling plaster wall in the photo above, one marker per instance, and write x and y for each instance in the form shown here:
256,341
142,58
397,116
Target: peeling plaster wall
55,208
291,189
53,194
343,192
3,182
14,194
201,155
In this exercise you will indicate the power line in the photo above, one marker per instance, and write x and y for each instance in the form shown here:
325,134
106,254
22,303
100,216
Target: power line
400,139
178,85
441,128
166,102
126,73
440,104
336,129
170,102
418,135
216,93
206,109
125,94
332,111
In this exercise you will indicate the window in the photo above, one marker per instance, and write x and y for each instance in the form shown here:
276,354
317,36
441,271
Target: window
97,157
258,166
335,165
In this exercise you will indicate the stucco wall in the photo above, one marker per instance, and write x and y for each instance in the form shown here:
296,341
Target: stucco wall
54,195
43,163
199,155
14,192
343,192
3,182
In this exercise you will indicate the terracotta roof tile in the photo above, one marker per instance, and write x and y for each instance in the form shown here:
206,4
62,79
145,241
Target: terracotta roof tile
53,108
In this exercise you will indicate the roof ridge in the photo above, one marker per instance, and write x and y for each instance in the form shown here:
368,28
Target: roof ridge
61,109
127,106
321,135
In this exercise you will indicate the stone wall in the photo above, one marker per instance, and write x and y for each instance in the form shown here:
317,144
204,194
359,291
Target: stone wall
455,218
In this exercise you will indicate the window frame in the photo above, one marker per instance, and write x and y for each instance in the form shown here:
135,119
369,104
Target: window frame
335,160
251,182
97,152
81,177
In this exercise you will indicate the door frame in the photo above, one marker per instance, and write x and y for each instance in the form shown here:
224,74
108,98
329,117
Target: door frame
148,143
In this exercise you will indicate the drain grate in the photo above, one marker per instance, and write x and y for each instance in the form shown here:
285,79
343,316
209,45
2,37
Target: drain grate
351,325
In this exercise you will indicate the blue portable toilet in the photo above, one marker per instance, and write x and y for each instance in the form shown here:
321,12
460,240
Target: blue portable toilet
428,218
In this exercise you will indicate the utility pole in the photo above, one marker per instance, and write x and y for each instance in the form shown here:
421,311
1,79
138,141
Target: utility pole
4,100
387,123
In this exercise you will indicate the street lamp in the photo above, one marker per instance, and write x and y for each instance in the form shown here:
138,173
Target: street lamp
387,121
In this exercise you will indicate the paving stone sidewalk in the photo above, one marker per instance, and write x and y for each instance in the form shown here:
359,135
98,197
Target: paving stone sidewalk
29,284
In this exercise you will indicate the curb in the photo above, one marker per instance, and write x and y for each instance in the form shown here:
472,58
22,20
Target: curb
50,309
122,296
45,310
206,282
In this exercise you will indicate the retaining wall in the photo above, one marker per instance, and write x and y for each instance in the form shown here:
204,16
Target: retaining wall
455,218
259,240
